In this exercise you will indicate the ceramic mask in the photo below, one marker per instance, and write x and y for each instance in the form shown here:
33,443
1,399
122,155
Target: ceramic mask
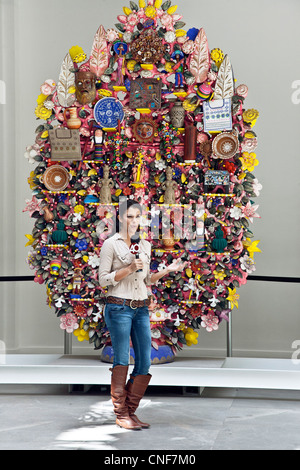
85,87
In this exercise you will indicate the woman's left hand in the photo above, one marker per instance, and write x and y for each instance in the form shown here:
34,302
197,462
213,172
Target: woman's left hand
177,265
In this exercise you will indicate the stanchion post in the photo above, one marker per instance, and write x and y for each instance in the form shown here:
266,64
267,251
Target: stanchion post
67,343
229,335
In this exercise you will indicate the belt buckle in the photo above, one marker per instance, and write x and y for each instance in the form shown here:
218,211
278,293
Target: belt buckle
131,305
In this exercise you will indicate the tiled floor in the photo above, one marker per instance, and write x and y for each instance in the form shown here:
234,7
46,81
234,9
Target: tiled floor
51,418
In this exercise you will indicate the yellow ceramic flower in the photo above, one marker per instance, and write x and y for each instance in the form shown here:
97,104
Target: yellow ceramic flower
251,247
150,11
42,113
190,336
157,3
85,258
118,192
79,209
249,161
77,54
250,116
142,3
80,333
219,275
30,179
233,298
31,240
217,55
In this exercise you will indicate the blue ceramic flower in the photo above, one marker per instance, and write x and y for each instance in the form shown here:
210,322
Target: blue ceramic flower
81,244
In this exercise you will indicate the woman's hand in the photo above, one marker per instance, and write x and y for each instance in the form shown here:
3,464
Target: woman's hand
177,265
136,265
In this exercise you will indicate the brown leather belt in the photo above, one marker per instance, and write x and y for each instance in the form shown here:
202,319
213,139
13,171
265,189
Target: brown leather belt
128,302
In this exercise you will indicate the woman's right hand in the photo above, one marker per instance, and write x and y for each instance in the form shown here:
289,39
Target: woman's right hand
136,265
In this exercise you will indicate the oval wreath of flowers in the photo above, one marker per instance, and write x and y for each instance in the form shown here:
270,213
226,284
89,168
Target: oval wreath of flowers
221,210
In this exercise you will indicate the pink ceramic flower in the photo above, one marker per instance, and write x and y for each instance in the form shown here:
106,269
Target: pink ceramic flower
167,21
48,87
112,35
210,322
249,210
68,322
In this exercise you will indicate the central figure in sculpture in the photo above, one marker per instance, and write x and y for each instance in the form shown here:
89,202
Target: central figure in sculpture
126,310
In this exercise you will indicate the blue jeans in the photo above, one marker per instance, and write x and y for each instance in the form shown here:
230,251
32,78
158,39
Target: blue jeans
124,322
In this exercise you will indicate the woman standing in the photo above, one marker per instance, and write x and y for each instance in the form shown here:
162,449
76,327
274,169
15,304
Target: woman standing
126,311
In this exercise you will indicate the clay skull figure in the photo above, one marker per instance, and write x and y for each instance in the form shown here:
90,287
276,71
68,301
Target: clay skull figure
85,87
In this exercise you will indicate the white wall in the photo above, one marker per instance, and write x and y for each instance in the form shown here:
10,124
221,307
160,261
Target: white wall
262,39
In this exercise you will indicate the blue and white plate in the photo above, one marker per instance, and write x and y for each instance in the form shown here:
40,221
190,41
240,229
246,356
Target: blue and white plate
108,111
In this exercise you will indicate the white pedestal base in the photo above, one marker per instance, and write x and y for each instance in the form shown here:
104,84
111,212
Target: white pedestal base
197,372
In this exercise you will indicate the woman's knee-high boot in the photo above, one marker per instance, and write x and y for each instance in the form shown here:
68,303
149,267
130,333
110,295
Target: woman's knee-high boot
118,396
136,388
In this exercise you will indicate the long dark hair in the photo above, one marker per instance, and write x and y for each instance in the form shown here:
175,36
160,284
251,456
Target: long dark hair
123,207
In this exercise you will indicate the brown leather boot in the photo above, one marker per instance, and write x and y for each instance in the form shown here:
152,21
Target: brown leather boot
118,396
135,392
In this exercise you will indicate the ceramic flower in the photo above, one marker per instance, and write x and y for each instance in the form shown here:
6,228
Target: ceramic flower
77,54
256,187
155,333
127,37
210,322
249,211
250,116
249,161
31,152
81,244
79,209
235,213
248,145
247,264
233,298
49,105
93,261
188,47
160,164
217,55
150,11
169,36
48,87
251,246
80,333
33,205
42,112
112,35
220,275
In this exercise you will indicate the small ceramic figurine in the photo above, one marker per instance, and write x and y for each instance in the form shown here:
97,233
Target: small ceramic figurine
178,58
105,184
169,187
76,282
120,48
